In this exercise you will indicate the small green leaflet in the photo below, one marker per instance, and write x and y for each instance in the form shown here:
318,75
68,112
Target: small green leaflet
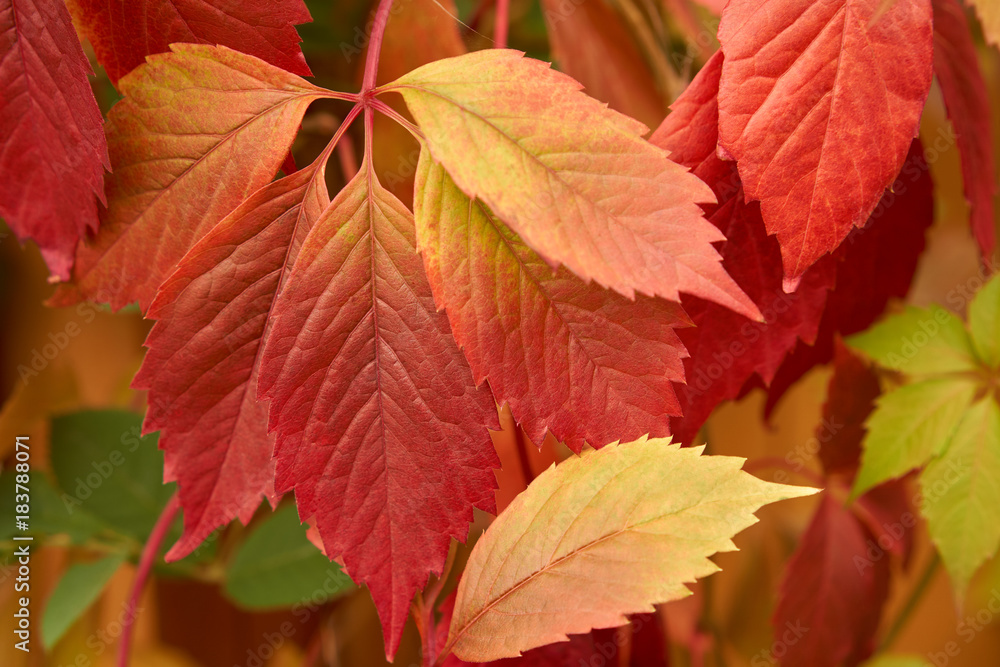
944,418
74,593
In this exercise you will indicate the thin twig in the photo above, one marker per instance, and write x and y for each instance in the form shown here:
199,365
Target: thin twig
149,552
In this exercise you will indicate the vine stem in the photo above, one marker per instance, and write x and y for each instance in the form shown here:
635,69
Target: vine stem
149,551
911,603
375,46
501,24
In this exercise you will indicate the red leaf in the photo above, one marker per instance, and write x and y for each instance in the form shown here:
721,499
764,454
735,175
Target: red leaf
832,595
819,107
850,399
965,95
726,348
198,131
54,154
876,264
124,33
204,357
590,43
691,132
380,429
892,519
573,358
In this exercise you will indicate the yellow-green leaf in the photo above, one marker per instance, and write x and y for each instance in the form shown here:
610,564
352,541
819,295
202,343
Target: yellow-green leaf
961,494
984,323
575,180
909,426
598,537
919,342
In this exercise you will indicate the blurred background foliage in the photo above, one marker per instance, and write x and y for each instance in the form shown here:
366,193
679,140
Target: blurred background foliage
262,595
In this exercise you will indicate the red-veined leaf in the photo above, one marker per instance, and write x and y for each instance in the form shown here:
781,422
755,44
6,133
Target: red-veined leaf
205,350
573,179
580,361
380,429
123,33
53,154
956,65
819,103
198,131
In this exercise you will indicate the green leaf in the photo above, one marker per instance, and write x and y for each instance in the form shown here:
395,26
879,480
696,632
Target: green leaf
909,426
961,494
107,469
278,566
49,515
75,592
984,322
644,516
919,342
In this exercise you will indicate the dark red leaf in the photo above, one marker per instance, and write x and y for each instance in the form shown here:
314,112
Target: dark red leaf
53,155
124,33
832,594
850,399
966,98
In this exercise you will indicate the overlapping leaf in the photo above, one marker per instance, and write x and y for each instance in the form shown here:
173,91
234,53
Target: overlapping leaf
184,155
573,179
124,33
560,351
819,109
205,351
729,352
945,418
54,153
648,514
380,430
832,591
957,68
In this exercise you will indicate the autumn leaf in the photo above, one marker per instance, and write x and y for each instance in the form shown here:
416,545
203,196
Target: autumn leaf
573,179
205,351
590,44
819,109
124,33
956,65
831,594
379,427
170,138
647,514
877,263
850,398
728,352
54,152
580,361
